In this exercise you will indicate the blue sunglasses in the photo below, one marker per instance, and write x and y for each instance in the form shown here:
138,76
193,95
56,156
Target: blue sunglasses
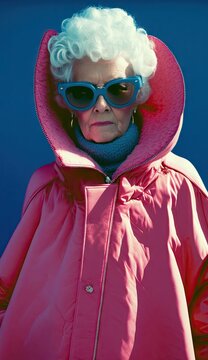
117,93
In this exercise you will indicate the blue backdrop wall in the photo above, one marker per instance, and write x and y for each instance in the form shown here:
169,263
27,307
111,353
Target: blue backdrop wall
182,25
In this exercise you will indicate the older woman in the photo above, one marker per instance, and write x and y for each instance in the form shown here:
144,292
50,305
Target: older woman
109,260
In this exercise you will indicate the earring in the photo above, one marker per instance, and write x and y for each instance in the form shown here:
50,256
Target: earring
72,120
132,117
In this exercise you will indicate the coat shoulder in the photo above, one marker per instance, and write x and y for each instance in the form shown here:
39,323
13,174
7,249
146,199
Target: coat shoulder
186,168
39,179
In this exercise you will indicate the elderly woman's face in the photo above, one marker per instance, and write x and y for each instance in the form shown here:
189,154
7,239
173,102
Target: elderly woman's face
102,123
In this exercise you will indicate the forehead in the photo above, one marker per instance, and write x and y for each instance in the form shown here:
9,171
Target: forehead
101,71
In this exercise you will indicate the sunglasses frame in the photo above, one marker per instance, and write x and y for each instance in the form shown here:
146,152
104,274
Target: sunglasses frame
137,81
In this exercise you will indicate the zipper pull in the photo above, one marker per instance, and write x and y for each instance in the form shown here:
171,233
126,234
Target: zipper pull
108,180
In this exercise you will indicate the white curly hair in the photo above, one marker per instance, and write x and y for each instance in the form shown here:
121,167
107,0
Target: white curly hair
102,33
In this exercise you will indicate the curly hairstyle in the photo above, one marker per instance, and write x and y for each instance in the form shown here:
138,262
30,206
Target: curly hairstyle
102,33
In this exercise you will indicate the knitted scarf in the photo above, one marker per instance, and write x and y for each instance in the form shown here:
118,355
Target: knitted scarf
109,155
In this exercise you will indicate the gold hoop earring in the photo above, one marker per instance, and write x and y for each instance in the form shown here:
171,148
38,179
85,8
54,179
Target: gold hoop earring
132,116
72,120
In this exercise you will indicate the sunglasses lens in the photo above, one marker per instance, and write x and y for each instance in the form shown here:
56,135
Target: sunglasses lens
120,93
79,96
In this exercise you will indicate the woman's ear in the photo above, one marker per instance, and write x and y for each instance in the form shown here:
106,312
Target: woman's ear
60,101
140,97
143,94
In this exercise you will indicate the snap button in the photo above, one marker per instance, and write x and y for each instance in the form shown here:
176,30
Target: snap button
89,289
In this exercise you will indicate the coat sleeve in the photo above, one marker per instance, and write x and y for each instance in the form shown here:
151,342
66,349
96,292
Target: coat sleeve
191,209
198,306
191,220
199,313
12,260
13,257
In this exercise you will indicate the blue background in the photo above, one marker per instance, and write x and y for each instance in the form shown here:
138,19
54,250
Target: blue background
182,25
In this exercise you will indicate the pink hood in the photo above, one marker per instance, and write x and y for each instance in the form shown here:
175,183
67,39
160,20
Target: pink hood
161,115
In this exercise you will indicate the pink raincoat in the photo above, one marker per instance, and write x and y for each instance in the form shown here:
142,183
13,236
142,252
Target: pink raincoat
109,270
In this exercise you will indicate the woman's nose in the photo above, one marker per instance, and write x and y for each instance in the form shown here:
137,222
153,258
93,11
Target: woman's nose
101,105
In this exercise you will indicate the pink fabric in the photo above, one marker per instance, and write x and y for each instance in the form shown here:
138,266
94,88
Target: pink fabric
109,271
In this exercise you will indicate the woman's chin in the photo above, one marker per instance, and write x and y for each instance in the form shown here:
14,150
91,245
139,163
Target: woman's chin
105,136
104,139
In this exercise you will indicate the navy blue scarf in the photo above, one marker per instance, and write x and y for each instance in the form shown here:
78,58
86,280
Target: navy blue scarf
109,155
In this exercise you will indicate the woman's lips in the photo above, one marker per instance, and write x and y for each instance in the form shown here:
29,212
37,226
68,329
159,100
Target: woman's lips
102,123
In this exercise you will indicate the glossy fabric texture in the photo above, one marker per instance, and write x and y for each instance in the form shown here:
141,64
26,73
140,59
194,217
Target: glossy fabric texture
109,271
